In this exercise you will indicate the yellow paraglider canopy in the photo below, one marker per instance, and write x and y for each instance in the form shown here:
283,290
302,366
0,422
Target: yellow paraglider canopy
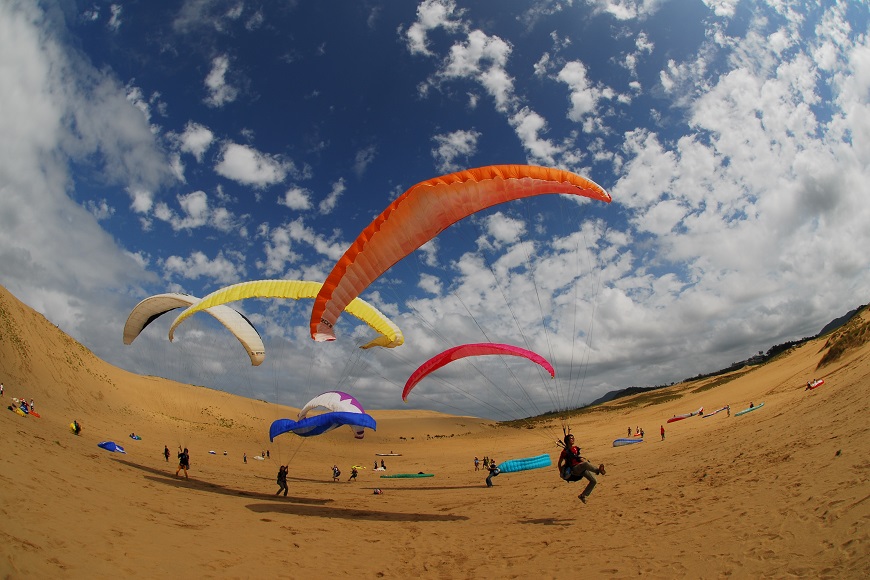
391,335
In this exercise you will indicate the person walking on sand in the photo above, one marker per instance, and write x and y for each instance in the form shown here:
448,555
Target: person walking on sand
476,463
353,474
493,471
336,473
166,453
282,479
183,461
663,432
245,458
573,467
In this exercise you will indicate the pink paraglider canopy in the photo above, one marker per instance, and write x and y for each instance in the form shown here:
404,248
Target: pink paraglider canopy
466,350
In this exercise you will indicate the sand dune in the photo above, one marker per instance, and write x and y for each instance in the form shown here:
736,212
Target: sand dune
779,492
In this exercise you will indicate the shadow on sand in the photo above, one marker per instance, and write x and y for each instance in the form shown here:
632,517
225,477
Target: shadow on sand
291,505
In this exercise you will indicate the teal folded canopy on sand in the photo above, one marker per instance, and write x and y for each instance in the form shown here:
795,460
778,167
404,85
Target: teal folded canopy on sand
750,409
514,465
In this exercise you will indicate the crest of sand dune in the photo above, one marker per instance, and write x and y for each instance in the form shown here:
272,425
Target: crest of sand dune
782,491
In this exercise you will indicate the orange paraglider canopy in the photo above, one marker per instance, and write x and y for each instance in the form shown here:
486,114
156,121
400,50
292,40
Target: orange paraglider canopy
420,214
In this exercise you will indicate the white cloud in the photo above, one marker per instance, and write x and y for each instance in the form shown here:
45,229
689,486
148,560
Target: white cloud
196,213
279,252
197,265
195,140
431,15
630,9
431,284
528,126
58,110
504,229
363,159
458,144
585,96
542,67
115,20
220,92
101,210
296,198
482,58
279,248
328,203
248,166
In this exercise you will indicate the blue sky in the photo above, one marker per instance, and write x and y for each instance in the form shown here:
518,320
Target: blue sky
182,146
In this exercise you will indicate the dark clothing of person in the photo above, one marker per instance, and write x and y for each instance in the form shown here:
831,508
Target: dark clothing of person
282,480
493,471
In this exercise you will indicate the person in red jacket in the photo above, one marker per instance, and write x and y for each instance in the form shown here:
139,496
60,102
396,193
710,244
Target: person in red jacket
573,467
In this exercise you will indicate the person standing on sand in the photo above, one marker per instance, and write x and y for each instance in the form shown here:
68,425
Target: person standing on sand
575,467
183,461
493,471
663,432
476,463
282,479
336,473
245,457
166,453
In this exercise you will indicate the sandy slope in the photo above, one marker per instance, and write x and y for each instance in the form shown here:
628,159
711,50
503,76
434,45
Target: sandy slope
779,492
